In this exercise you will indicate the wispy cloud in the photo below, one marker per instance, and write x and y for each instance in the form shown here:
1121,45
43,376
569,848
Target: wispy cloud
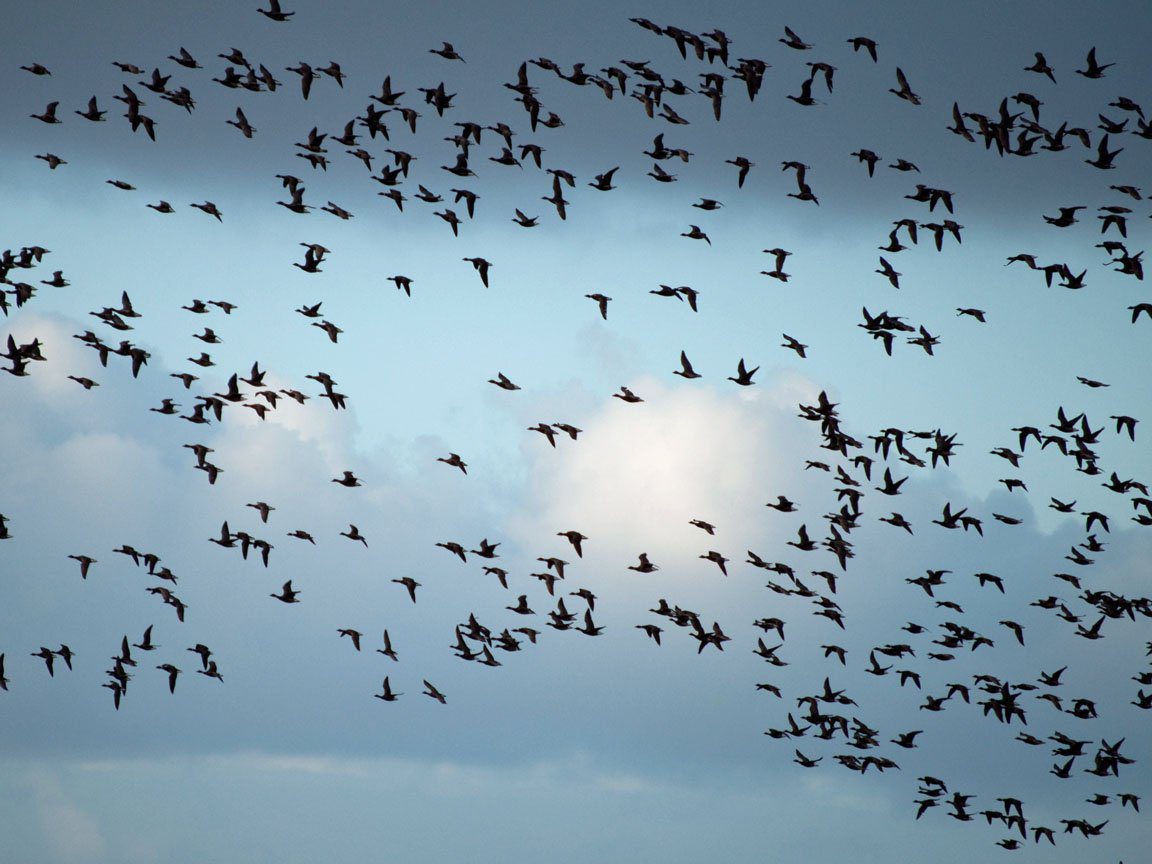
70,832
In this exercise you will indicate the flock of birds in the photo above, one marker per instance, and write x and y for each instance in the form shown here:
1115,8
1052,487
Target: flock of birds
855,470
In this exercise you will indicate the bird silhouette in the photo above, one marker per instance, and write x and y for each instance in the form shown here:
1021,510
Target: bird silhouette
602,302
743,375
387,694
173,673
250,464
410,584
905,90
1092,68
287,594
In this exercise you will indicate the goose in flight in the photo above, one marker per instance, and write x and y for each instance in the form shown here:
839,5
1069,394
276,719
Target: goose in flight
718,559
48,115
590,628
274,12
794,345
447,52
409,583
353,533
241,123
603,182
173,672
66,654
576,539
686,370
521,607
503,382
1104,156
888,272
454,460
869,45
868,157
793,41
777,272
49,657
891,486
626,395
482,266
387,650
1040,66
905,90
545,430
694,233
744,165
1093,69
743,375
387,694
287,594
644,565
602,301
85,563
487,549
455,548
568,429
403,283
92,112
652,631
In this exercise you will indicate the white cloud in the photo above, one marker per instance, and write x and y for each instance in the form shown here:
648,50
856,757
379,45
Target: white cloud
69,831
318,765
438,777
314,423
638,473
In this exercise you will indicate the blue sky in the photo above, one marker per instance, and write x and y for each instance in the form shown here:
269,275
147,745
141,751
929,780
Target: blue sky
575,746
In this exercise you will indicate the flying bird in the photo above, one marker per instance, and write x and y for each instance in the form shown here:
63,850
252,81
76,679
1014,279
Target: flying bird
1092,68
602,302
905,90
455,461
743,375
386,693
275,13
287,594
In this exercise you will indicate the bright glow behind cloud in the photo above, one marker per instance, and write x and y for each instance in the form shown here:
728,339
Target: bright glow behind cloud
639,473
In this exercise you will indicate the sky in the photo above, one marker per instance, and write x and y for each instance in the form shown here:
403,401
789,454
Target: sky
574,746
